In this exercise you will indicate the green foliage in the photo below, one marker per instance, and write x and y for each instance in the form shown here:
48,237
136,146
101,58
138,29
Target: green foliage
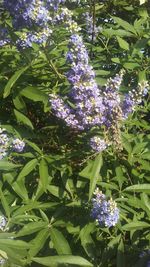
45,191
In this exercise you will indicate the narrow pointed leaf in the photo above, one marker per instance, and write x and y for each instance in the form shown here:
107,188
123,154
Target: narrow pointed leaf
21,118
95,174
28,168
56,261
13,80
60,243
43,170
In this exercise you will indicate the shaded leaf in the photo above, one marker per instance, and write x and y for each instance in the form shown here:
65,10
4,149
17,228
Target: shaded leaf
54,261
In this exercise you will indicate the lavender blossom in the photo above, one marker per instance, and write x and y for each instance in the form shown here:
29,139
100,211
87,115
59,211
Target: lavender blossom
3,222
98,144
54,4
134,97
84,90
2,261
4,143
63,14
63,111
105,212
37,13
32,18
27,13
27,39
91,28
4,37
144,253
18,145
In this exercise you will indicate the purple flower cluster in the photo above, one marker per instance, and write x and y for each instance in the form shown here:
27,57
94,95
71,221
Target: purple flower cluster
97,144
91,29
146,254
33,18
26,39
92,106
3,222
111,99
105,212
133,98
4,37
6,143
18,145
27,12
84,90
54,4
63,111
2,261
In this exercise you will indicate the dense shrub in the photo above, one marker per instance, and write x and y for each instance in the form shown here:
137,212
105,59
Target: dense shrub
75,134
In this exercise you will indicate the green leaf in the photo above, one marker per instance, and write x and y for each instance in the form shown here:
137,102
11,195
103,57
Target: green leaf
19,103
14,243
135,226
27,168
15,255
5,204
60,243
120,254
21,118
139,188
87,170
115,241
95,174
34,94
56,261
122,43
20,189
38,242
86,239
125,142
31,228
7,166
34,146
131,65
12,81
127,26
43,171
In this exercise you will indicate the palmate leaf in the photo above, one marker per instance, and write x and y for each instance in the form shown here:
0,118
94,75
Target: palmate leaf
56,261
